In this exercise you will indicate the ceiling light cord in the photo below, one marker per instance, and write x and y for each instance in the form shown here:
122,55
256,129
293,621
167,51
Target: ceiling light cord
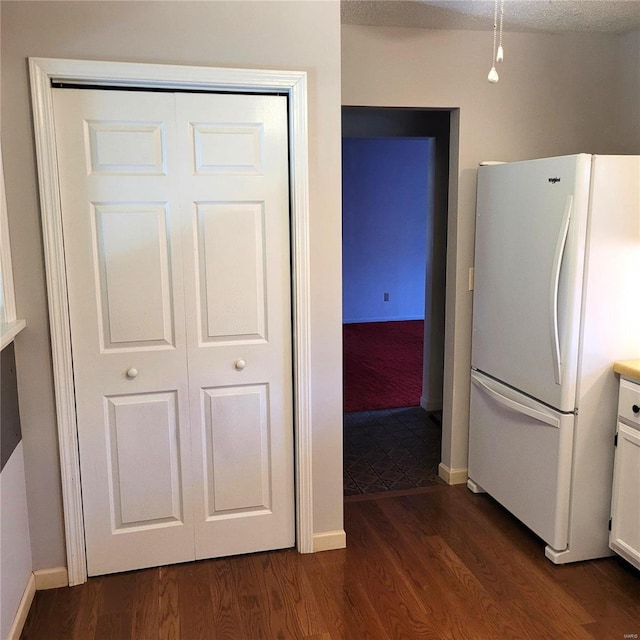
500,54
497,54
493,76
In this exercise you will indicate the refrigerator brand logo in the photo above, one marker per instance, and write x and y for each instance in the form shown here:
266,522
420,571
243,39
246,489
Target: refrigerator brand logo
554,180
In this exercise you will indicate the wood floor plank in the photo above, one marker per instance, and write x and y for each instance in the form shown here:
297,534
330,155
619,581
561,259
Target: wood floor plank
118,592
280,611
449,612
527,570
554,602
618,625
621,583
459,601
114,625
463,541
297,591
440,564
194,601
398,606
418,567
474,604
168,603
227,619
346,610
87,619
388,533
64,613
534,626
39,618
253,602
145,610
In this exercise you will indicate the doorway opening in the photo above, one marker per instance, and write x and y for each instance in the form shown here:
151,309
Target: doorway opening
395,202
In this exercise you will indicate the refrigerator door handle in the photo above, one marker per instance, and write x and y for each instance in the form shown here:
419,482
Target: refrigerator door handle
555,288
516,406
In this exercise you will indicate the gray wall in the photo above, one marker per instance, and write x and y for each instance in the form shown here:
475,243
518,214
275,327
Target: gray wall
627,107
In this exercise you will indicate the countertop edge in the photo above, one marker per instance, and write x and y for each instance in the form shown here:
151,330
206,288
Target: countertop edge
628,369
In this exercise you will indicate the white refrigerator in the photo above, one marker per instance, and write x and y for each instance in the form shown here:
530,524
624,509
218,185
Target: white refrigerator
556,301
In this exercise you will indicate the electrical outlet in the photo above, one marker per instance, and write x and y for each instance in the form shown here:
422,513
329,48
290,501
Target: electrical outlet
386,297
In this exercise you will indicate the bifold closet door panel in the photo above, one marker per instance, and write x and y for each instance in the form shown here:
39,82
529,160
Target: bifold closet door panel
118,163
235,199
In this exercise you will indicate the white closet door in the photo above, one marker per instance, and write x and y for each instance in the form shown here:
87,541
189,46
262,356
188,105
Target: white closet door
148,397
235,199
117,156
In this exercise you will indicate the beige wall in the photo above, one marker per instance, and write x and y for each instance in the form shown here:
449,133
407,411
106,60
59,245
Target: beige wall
275,35
628,91
558,94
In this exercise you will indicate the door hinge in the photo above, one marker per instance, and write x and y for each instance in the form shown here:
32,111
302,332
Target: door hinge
615,440
610,524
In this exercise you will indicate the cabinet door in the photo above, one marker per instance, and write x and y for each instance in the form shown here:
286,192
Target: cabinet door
625,515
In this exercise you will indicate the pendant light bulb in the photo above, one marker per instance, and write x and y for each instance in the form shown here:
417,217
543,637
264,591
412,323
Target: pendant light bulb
493,76
500,54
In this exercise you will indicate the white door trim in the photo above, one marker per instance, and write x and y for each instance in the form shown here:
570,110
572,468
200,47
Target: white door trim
43,72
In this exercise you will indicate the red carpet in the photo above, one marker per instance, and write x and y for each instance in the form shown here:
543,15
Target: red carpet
382,364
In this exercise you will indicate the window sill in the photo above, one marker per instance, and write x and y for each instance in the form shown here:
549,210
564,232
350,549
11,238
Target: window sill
9,330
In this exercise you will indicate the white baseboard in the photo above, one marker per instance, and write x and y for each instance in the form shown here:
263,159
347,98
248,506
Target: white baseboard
23,609
329,540
51,578
453,476
430,406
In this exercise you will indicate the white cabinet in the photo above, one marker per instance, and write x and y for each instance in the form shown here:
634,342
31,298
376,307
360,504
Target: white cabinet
624,538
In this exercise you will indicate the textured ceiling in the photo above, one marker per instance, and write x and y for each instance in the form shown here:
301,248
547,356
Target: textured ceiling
613,16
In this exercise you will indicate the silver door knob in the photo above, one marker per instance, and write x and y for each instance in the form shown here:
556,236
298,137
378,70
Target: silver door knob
132,373
240,364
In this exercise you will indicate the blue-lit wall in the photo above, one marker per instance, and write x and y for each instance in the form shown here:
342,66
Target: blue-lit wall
385,207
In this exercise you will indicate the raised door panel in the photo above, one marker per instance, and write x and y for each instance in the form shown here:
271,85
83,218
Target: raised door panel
227,149
231,271
143,434
238,471
132,265
125,148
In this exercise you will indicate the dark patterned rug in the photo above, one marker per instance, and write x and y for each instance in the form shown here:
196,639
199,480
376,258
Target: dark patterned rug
391,449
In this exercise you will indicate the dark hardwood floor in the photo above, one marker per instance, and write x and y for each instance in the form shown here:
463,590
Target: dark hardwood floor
436,563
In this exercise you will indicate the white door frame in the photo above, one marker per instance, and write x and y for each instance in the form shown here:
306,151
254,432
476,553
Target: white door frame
43,72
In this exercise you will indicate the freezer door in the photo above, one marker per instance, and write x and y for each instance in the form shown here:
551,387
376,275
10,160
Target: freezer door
520,453
529,258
